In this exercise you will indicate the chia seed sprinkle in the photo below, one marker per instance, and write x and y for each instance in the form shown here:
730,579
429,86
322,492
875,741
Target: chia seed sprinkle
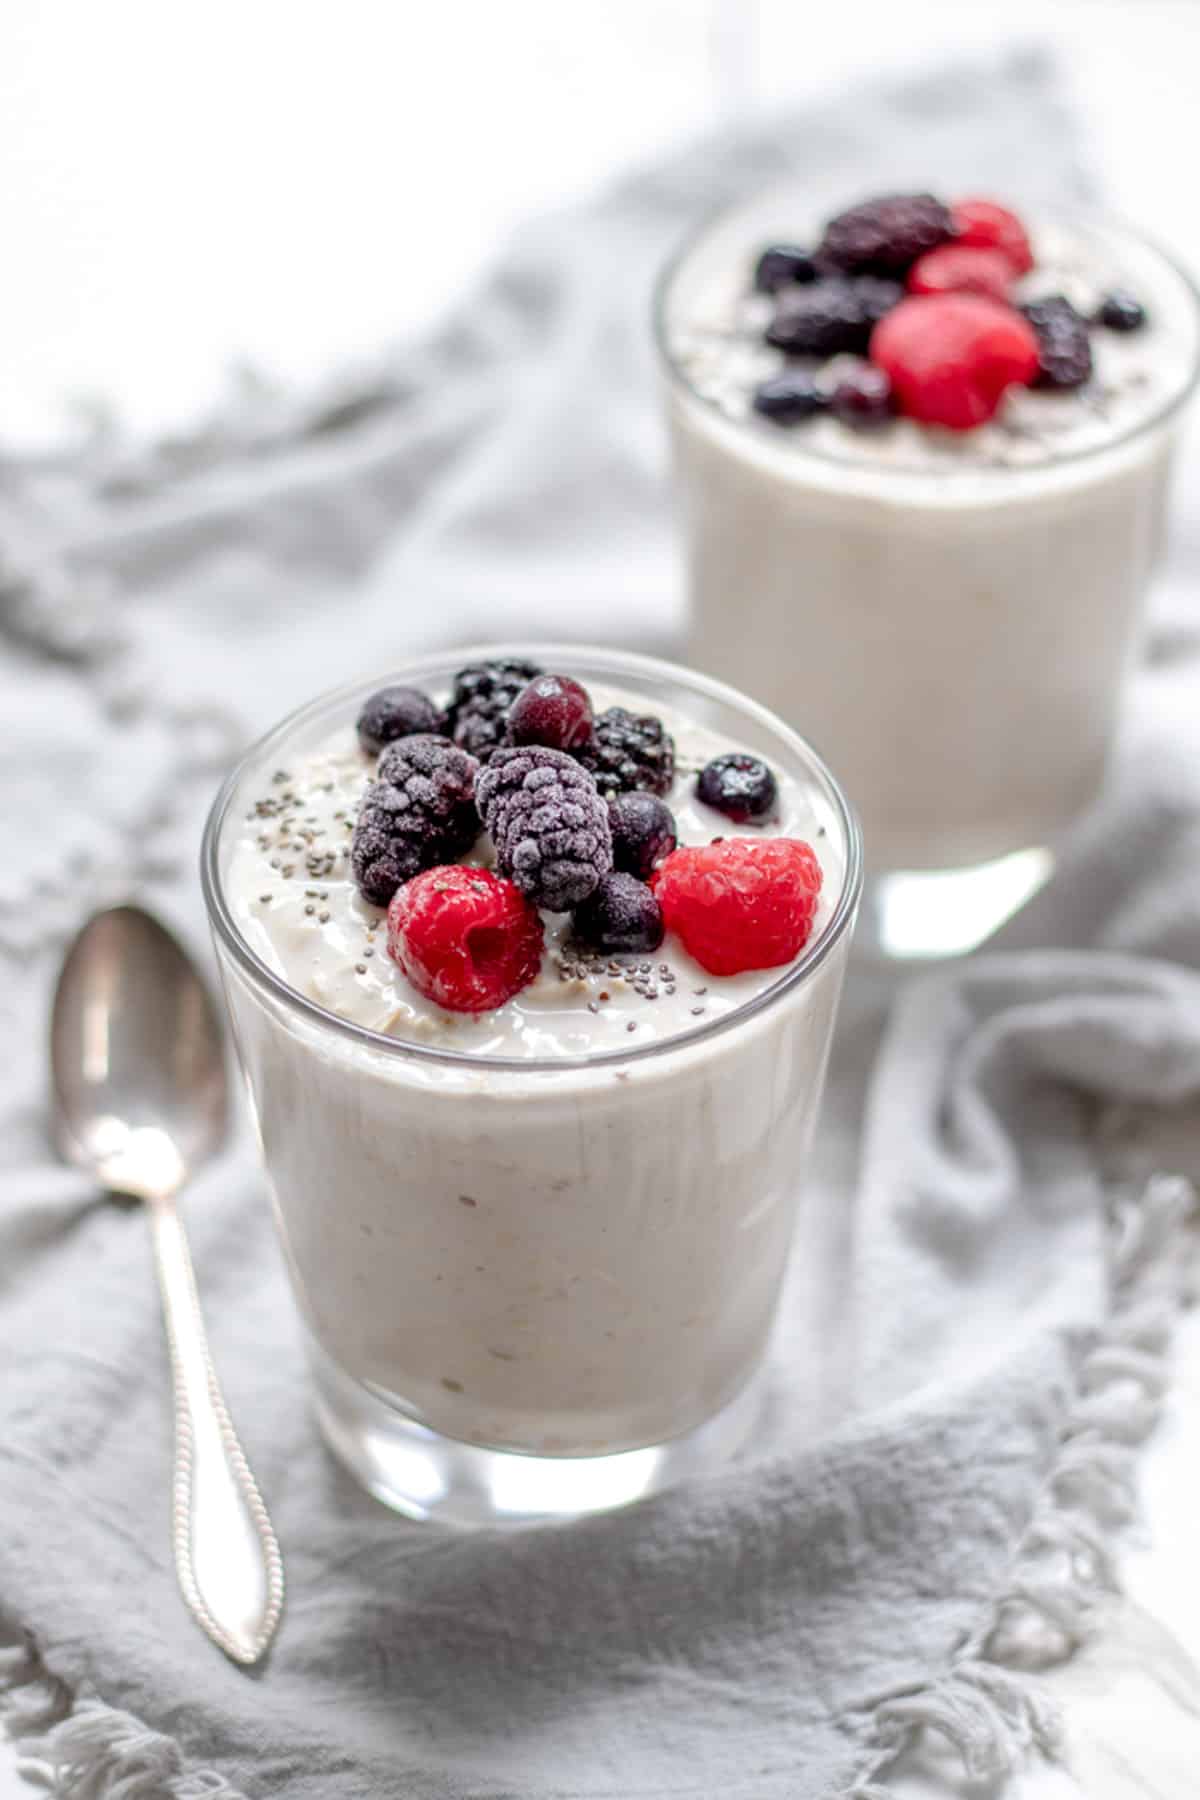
632,1025
323,918
696,1011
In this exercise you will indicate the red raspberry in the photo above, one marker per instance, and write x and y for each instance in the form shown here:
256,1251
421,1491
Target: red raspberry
465,938
743,903
951,356
982,225
953,269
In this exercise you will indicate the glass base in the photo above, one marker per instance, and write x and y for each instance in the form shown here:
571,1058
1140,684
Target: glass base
911,914
424,1475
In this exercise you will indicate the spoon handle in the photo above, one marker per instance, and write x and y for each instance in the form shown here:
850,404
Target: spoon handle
226,1556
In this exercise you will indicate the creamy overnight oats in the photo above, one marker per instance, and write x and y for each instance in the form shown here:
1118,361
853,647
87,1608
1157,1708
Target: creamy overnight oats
533,962
923,453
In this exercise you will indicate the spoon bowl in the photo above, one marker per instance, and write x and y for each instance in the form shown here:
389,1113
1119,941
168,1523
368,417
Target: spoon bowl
136,1048
140,1101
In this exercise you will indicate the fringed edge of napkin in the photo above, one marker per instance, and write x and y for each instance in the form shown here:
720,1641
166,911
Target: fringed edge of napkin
79,1746
990,1707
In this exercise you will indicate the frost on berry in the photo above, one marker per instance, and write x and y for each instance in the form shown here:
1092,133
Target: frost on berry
483,693
419,811
548,823
629,751
742,903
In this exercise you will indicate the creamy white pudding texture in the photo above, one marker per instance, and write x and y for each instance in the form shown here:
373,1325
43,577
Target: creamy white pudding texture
565,1260
295,901
714,325
948,615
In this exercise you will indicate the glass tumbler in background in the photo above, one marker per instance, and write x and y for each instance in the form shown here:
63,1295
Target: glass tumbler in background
955,638
537,1287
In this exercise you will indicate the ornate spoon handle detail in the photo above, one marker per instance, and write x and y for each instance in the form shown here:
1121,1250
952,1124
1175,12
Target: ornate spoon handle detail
227,1559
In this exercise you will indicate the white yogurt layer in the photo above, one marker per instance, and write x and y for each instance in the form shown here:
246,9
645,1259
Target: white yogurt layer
715,321
295,901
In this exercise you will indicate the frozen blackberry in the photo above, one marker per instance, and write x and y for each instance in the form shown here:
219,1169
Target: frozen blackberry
739,785
886,236
780,265
548,823
628,751
830,316
478,712
1121,311
1064,348
620,914
419,811
396,712
643,832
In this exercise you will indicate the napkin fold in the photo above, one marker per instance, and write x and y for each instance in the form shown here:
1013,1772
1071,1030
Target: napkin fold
972,1341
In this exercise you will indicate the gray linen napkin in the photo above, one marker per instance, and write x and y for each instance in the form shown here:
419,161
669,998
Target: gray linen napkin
970,1347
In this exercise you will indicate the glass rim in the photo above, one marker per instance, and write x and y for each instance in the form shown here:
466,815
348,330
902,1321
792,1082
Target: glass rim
230,936
882,472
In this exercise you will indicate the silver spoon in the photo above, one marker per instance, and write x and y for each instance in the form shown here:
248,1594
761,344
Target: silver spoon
140,1099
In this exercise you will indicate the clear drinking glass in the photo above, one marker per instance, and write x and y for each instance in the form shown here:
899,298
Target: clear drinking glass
536,1287
954,639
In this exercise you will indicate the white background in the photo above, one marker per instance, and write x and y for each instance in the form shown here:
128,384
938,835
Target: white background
292,183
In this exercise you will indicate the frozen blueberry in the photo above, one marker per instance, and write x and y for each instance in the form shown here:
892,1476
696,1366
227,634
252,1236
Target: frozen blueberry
396,712
739,785
1120,311
789,399
621,914
643,832
781,263
553,710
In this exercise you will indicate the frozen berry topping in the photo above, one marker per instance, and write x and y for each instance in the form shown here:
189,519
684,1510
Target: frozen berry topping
465,938
831,315
744,903
951,357
1121,311
478,712
643,832
621,914
982,225
886,236
1064,348
419,811
863,398
781,264
628,751
790,398
739,785
960,269
548,823
396,712
553,710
